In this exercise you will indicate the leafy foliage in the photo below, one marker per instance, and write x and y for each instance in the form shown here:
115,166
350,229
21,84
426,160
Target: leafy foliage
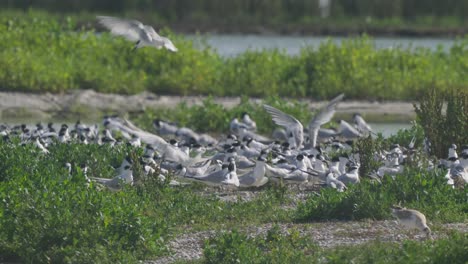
443,129
426,191
235,247
48,215
40,53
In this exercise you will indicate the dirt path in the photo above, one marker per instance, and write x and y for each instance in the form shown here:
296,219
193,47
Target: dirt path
92,105
326,234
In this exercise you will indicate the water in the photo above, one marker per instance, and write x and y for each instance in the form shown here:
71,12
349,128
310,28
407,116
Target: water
388,129
232,45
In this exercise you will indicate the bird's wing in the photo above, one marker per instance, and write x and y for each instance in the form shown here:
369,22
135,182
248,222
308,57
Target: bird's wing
322,117
362,124
346,128
130,29
282,119
168,44
151,32
326,113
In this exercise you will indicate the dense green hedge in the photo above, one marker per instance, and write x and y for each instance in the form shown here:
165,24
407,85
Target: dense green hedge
40,54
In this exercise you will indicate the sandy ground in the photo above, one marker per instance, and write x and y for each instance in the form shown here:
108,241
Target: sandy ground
330,234
92,105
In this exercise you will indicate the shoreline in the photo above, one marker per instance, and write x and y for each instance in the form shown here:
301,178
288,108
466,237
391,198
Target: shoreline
311,30
91,105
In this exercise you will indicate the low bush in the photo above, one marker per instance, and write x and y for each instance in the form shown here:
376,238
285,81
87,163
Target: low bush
47,215
415,188
444,118
236,247
42,53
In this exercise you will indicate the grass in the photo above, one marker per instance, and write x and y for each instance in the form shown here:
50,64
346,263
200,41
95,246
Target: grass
41,53
414,189
47,216
236,247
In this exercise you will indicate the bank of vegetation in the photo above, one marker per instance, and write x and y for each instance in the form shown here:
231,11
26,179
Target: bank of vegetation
46,54
48,214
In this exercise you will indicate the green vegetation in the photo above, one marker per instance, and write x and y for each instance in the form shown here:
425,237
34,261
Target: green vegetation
47,216
444,128
45,54
415,188
195,117
235,247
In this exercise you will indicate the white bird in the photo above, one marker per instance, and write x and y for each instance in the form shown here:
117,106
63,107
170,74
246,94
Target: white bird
38,144
134,30
361,124
350,177
135,141
251,125
294,128
165,128
411,219
235,125
215,178
297,175
126,177
322,117
452,152
231,177
347,131
335,183
343,160
255,177
64,135
126,162
392,168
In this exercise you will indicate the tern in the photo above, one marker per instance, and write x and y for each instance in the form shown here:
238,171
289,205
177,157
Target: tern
335,183
411,219
251,125
134,30
322,117
294,128
361,124
255,177
350,177
116,183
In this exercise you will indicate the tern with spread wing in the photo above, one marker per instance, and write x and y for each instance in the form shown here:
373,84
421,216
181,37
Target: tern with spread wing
294,128
322,117
134,30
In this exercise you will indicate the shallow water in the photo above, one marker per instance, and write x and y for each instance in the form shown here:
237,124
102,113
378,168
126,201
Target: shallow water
388,129
232,45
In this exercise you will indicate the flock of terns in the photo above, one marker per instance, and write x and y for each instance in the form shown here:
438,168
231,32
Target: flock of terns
293,154
243,158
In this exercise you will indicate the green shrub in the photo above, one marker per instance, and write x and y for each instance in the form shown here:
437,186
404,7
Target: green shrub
48,53
425,191
236,247
443,129
445,250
